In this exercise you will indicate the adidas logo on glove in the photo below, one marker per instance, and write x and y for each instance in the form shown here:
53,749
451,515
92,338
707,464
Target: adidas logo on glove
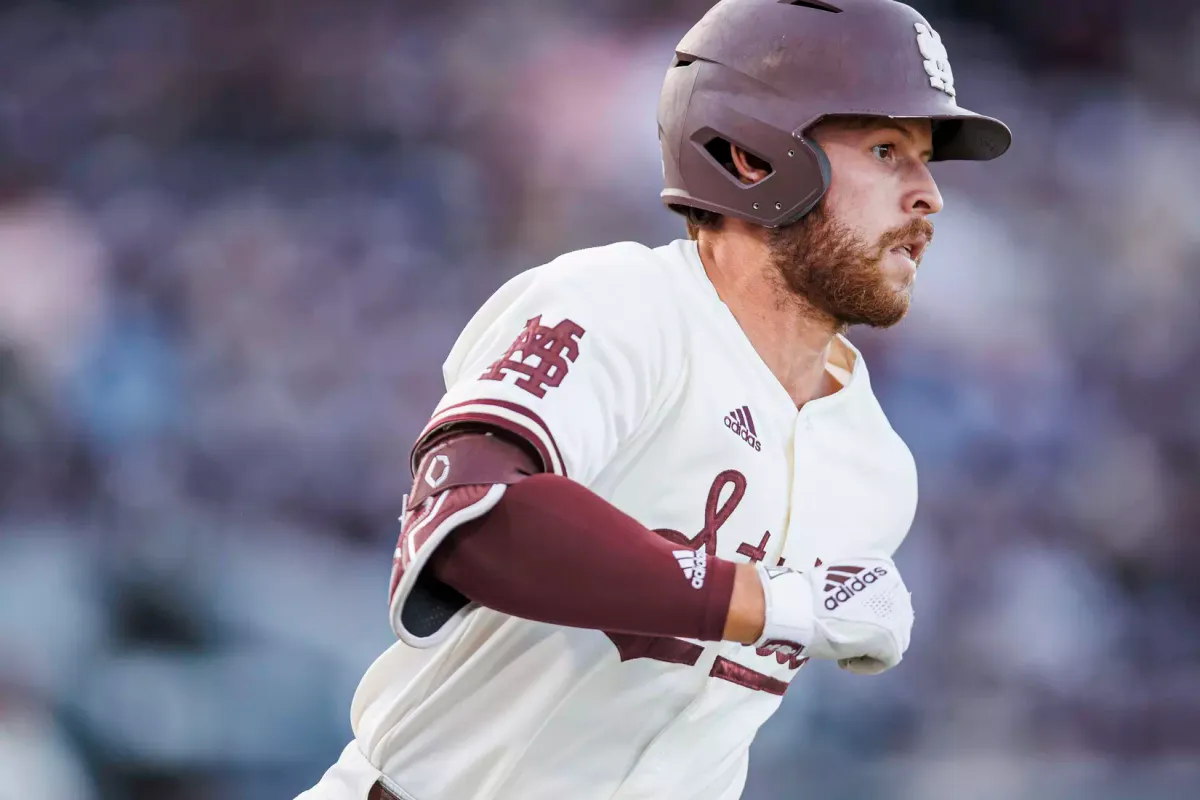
812,612
845,582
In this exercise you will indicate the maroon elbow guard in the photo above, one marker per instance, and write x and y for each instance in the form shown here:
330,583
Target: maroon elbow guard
460,477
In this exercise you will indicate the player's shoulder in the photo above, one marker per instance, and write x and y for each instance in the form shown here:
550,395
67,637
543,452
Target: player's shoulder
625,275
595,282
627,289
620,290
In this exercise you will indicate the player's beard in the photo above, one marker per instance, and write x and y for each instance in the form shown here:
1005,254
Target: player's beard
831,268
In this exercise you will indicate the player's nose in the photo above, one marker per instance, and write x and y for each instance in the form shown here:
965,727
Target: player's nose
923,196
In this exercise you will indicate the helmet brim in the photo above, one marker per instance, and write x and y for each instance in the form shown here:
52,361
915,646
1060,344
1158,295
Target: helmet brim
967,136
958,133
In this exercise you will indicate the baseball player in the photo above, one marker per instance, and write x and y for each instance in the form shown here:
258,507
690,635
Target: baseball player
659,482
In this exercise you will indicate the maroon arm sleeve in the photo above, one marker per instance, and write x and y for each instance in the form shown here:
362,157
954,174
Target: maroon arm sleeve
553,551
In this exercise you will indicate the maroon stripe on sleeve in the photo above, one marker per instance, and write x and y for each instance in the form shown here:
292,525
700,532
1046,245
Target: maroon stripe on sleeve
442,418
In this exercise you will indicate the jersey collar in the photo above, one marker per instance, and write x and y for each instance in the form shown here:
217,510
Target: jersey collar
858,378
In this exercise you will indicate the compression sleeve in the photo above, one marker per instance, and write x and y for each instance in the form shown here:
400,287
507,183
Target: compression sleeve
553,551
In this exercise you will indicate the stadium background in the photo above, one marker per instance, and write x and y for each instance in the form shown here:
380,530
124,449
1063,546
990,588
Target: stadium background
237,238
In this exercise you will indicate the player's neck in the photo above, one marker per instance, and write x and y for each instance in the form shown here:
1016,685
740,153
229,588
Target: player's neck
792,339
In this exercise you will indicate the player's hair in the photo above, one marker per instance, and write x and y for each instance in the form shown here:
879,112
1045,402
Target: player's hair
697,219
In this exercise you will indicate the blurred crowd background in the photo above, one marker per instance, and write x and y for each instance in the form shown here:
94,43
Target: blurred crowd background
238,237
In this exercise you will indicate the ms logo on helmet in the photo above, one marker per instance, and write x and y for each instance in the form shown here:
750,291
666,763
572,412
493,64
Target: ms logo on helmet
937,60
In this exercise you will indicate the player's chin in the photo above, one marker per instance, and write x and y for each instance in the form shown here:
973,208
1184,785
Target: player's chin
892,300
881,308
874,296
887,317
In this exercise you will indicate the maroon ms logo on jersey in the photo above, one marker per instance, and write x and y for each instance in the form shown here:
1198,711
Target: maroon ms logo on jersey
540,354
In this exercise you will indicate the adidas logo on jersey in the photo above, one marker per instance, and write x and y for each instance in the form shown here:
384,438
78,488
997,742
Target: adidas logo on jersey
845,582
694,564
741,423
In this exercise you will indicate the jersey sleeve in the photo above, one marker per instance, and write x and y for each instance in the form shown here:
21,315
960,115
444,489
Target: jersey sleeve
565,358
560,357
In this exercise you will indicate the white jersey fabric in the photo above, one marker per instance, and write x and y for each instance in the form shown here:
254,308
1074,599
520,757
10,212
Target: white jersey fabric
653,397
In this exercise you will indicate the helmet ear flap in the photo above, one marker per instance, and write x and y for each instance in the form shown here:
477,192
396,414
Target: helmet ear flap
826,176
823,163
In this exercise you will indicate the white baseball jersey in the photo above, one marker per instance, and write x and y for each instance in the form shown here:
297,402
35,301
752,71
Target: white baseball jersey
627,373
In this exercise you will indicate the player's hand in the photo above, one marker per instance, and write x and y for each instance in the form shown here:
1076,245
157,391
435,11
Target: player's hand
857,612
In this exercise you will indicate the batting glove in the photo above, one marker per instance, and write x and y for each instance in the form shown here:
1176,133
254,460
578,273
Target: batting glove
857,612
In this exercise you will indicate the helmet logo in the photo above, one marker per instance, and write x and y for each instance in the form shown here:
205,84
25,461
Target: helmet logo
936,59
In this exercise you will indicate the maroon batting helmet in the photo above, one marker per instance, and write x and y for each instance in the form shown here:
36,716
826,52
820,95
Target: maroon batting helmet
759,73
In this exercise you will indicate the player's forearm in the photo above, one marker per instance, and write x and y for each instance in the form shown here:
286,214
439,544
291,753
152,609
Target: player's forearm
553,551
747,610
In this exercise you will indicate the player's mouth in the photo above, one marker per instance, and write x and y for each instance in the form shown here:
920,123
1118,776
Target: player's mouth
912,249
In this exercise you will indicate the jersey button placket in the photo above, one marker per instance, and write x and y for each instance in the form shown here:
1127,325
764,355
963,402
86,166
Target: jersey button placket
802,428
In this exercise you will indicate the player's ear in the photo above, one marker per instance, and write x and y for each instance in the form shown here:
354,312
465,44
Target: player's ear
750,168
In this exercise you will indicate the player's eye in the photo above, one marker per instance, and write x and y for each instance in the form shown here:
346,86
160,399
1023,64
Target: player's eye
884,152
